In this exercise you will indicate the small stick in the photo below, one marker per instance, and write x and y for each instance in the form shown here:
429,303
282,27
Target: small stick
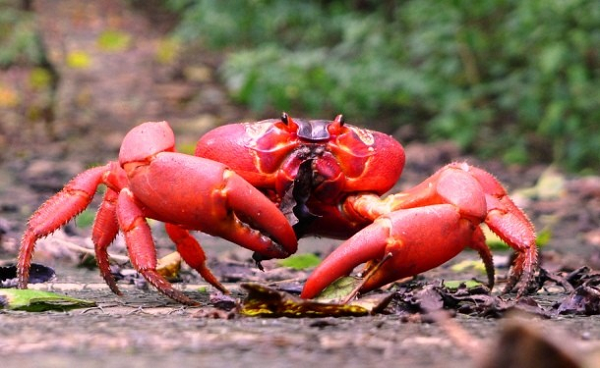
84,250
366,278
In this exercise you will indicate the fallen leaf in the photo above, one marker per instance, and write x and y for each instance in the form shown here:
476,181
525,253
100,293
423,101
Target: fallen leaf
550,185
79,60
475,300
455,284
263,301
223,301
300,261
114,40
169,266
543,237
214,313
39,301
584,300
338,290
468,265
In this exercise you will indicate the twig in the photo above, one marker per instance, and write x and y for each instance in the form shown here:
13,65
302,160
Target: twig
366,278
78,248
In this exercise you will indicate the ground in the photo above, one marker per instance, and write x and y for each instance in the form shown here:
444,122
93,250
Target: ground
99,103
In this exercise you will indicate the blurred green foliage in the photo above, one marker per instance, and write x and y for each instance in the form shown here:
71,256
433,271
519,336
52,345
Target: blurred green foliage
519,79
18,36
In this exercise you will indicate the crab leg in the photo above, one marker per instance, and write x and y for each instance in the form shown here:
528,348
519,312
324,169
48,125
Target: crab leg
463,197
512,225
192,254
106,228
55,212
469,188
140,246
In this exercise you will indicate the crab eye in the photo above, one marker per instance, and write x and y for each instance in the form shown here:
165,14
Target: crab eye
285,118
335,127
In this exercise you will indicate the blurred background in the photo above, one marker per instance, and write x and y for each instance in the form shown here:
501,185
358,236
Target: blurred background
512,80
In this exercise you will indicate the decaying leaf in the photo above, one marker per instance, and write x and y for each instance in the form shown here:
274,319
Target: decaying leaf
475,300
37,274
584,298
169,266
39,301
263,301
223,301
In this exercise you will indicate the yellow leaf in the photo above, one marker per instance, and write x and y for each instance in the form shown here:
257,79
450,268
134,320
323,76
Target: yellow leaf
263,301
79,60
169,266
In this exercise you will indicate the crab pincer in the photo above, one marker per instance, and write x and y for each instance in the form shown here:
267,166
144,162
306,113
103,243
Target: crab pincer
422,228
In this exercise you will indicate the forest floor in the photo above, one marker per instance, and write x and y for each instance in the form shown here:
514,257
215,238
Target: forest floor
97,104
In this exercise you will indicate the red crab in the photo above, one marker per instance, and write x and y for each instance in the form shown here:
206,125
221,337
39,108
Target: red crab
265,184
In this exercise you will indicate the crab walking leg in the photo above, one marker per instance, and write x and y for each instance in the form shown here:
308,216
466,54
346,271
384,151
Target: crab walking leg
478,243
480,197
512,225
55,212
192,254
140,246
418,240
106,228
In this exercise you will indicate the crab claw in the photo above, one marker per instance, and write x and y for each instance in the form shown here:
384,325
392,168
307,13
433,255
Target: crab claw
412,241
200,194
193,193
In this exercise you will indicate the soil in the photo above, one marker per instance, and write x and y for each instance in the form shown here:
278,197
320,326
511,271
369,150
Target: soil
98,104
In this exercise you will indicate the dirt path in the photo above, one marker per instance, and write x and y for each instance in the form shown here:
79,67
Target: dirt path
143,329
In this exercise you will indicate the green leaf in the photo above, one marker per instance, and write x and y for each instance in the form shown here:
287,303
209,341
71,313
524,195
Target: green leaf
467,265
168,50
543,237
339,289
39,301
40,78
300,261
85,219
113,40
492,240
79,60
455,284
